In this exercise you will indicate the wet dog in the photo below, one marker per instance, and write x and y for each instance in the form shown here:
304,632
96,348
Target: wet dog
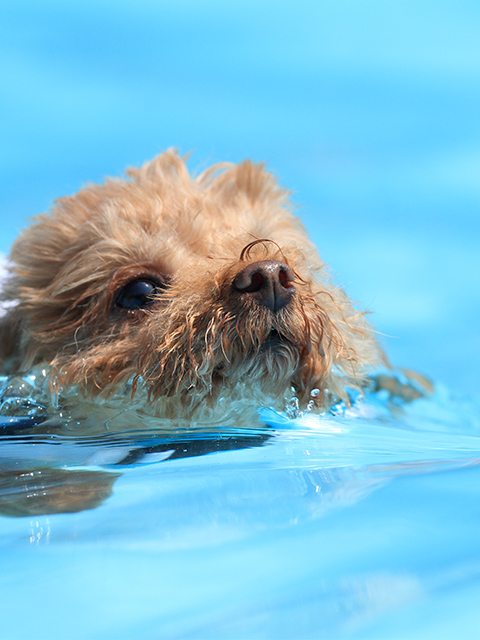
195,292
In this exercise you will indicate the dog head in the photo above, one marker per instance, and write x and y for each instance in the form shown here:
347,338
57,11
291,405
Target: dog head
189,288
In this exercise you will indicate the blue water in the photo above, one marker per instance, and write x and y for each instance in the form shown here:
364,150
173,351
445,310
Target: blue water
363,524
358,525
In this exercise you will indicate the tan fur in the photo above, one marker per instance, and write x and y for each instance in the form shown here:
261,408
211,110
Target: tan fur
198,342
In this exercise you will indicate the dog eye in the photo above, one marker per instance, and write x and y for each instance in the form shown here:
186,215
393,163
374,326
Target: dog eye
137,294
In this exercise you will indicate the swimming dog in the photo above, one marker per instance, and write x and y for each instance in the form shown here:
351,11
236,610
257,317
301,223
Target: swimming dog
195,291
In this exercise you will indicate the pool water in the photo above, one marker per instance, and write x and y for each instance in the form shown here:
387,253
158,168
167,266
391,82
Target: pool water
362,522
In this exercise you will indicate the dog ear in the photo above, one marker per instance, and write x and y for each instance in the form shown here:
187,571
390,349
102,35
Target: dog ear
247,181
167,167
228,183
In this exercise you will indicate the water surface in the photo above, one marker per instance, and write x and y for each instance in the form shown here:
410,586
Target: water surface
359,523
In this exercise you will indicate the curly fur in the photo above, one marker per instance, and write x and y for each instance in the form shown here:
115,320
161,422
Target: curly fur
198,341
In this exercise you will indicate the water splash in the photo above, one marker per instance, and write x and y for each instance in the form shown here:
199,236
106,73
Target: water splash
24,396
292,404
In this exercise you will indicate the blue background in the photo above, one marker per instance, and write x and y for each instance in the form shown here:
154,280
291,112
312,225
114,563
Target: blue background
368,111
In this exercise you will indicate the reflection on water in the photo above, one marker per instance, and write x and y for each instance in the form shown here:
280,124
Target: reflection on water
346,524
58,463
44,473
40,491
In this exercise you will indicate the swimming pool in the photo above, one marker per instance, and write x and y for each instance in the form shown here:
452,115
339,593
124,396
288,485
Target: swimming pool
363,524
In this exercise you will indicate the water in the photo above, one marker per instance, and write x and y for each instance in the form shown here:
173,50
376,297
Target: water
358,523
362,524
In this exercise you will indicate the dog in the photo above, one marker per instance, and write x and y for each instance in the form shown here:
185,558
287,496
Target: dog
194,292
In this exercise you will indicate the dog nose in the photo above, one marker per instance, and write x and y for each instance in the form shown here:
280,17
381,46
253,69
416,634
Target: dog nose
269,282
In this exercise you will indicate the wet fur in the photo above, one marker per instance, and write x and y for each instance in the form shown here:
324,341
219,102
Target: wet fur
199,341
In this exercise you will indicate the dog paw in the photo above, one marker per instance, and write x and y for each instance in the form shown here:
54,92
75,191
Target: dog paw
402,384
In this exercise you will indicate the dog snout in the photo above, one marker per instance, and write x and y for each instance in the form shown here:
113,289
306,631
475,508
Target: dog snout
268,282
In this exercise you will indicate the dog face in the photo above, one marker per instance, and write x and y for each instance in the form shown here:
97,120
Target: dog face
192,289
